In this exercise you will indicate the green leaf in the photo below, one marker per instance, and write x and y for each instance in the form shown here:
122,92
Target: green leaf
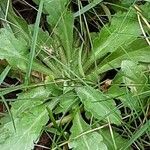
4,74
16,52
28,128
99,105
122,30
145,127
12,49
30,99
68,101
18,25
128,3
87,7
65,32
134,76
45,49
146,9
125,96
55,9
88,141
29,115
43,39
107,138
33,43
137,51
62,21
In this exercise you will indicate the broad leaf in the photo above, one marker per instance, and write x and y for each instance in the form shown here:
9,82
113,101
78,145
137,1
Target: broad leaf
28,128
127,3
29,115
107,138
137,51
28,100
16,52
43,39
55,9
17,24
85,141
99,105
65,32
134,76
68,101
61,22
146,9
120,90
122,30
124,95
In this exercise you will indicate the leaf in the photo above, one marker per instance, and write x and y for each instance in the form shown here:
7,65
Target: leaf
18,25
4,74
87,7
28,128
88,141
30,99
61,21
122,30
33,43
107,138
43,39
99,105
137,51
127,3
16,52
68,101
125,96
55,9
29,116
12,49
146,9
145,127
134,76
65,32
45,49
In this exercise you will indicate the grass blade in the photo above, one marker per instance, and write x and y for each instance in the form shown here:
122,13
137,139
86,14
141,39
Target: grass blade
34,40
4,74
137,134
87,7
10,114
